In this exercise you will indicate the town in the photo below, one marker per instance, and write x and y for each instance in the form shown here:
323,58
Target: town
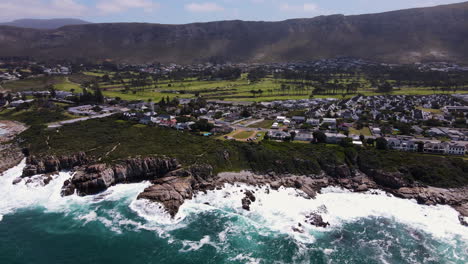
433,124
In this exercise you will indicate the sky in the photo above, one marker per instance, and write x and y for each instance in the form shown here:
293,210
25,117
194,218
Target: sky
187,11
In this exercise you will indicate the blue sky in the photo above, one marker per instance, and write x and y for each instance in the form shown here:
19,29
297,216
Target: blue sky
186,11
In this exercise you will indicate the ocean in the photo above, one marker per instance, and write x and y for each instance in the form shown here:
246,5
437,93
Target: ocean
37,225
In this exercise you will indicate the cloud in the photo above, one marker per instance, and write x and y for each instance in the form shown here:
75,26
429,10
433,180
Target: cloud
204,7
306,7
118,6
14,9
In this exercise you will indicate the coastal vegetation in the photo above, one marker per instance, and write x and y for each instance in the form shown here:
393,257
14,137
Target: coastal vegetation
112,139
37,113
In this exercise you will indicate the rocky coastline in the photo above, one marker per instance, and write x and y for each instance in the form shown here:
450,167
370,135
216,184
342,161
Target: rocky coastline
10,153
172,184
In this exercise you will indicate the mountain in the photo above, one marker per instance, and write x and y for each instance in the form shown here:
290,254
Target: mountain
423,34
45,23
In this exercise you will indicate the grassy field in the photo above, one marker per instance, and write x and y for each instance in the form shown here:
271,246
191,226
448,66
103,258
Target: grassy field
67,85
36,116
231,90
263,124
243,135
32,84
433,111
365,131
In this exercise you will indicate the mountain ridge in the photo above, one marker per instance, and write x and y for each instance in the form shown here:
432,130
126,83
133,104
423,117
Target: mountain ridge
404,36
54,23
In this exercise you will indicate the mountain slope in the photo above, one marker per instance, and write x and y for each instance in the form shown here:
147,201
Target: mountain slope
45,23
435,33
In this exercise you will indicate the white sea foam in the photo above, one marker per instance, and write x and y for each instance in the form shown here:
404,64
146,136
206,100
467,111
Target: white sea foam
246,258
196,245
36,194
154,212
276,210
281,210
24,195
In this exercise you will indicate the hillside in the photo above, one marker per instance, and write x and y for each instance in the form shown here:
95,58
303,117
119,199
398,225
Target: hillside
424,34
44,23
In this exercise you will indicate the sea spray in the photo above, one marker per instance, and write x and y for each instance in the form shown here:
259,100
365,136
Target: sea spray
372,227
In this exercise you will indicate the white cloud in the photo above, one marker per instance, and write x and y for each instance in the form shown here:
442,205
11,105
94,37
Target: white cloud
204,7
118,6
13,9
306,7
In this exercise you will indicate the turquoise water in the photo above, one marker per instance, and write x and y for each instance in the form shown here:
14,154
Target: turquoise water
38,226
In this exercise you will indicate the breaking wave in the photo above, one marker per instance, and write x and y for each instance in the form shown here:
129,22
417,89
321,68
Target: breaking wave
373,219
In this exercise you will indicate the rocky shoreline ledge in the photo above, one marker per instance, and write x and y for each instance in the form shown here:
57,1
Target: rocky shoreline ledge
10,153
172,184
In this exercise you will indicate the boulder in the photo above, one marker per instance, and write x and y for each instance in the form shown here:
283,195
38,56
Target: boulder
170,191
248,199
316,220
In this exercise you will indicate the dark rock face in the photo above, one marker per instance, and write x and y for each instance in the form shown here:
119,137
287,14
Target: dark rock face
339,171
96,178
462,220
178,185
316,220
247,200
173,184
51,164
171,191
10,156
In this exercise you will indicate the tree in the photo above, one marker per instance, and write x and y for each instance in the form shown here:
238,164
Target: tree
293,135
420,145
362,138
319,137
98,95
162,102
381,143
105,78
385,88
370,141
51,90
97,109
260,92
245,113
202,125
218,115
346,142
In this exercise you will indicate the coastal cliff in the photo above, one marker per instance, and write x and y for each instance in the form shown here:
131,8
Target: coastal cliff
10,152
172,184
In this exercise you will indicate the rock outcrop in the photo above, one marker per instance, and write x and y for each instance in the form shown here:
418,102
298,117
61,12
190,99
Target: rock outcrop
172,185
170,191
49,164
96,178
10,153
457,198
316,220
178,185
10,156
248,199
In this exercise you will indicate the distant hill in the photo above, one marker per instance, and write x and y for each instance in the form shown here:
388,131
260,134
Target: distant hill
422,34
45,23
